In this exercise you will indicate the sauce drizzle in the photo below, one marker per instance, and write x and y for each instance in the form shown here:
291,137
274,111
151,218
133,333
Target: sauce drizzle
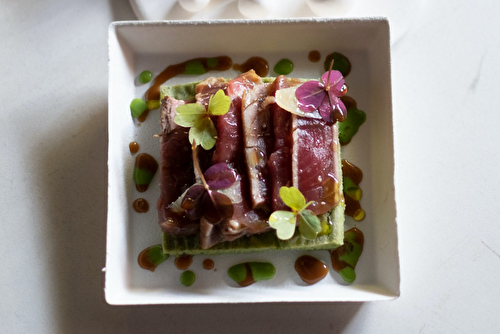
258,64
248,273
345,257
352,176
151,257
310,269
192,66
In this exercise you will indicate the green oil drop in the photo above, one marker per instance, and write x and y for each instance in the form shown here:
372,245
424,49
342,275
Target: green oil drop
188,278
145,77
284,67
137,107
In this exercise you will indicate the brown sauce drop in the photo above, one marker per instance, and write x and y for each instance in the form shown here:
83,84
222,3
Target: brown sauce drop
144,171
310,269
133,147
345,257
151,257
208,264
144,261
314,56
353,208
140,205
352,205
221,63
143,116
352,171
258,64
349,102
183,262
248,278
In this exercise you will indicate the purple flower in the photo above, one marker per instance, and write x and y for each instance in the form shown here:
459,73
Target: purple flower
324,96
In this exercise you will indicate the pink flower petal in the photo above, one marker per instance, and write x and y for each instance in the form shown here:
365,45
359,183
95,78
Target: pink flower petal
326,112
339,109
336,81
310,95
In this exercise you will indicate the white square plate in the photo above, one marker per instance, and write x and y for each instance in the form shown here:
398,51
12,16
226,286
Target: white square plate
137,46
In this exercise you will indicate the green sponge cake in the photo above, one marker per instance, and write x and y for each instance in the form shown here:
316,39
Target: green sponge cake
240,173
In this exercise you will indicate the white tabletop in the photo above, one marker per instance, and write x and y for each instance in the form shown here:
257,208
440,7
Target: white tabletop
53,66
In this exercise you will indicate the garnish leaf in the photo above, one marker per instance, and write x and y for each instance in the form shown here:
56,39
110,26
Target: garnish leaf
219,103
191,109
203,133
286,99
202,201
284,224
317,98
189,115
220,176
216,207
197,118
310,96
309,224
284,221
293,198
188,120
335,83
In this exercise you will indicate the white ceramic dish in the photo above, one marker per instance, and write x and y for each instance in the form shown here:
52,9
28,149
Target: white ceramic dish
137,46
400,13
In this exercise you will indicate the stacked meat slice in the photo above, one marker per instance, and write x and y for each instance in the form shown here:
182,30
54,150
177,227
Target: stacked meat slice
267,146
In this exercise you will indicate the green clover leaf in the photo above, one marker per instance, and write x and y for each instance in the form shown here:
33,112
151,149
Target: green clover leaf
293,198
189,115
284,224
309,224
219,103
203,133
197,118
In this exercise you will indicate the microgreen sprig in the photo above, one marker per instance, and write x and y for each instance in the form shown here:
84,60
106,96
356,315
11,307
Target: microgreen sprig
203,199
284,222
197,118
324,96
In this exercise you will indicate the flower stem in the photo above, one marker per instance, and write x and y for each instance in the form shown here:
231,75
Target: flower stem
197,165
327,87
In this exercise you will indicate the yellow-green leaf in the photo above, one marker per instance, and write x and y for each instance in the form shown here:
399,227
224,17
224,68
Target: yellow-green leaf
191,109
284,224
204,133
188,120
293,198
219,103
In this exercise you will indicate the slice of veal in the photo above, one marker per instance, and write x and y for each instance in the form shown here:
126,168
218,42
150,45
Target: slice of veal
331,237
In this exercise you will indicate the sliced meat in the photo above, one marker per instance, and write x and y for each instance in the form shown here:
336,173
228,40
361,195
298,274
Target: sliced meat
280,161
208,87
176,173
229,148
315,163
259,142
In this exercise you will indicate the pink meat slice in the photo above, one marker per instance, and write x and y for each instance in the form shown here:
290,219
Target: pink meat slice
176,173
315,162
208,87
230,149
280,160
258,138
